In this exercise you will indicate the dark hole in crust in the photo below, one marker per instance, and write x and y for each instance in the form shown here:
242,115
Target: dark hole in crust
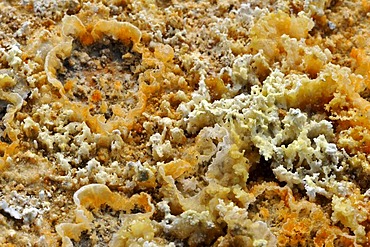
262,172
85,240
3,106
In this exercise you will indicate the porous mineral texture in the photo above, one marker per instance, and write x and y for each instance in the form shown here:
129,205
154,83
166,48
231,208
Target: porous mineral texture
185,123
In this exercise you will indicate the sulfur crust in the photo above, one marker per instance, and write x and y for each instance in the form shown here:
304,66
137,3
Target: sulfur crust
184,123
